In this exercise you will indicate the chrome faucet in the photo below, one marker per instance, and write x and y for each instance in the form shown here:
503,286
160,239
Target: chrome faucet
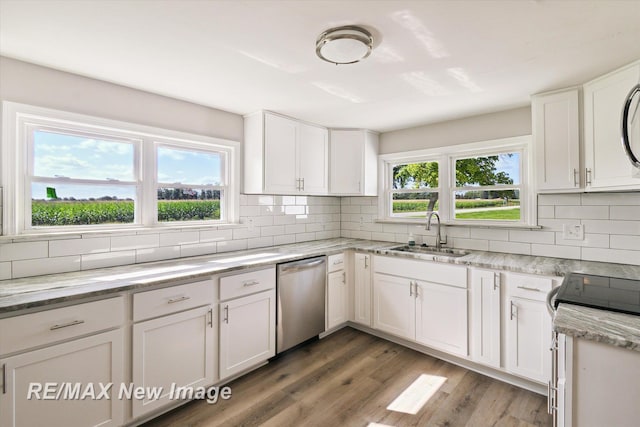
439,241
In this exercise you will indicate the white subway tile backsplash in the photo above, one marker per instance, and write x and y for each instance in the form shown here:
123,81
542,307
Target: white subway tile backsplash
79,246
329,234
546,211
157,254
295,210
394,228
488,234
179,238
555,251
463,232
612,227
558,199
350,209
39,267
232,245
625,242
215,235
556,224
274,230
246,233
294,229
313,227
611,199
5,270
108,259
384,237
284,219
249,210
305,237
284,239
528,236
630,213
471,244
582,212
23,250
510,247
198,249
611,255
260,242
139,241
590,240
361,235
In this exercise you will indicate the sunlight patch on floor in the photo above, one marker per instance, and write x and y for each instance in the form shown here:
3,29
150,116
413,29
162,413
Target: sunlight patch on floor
413,398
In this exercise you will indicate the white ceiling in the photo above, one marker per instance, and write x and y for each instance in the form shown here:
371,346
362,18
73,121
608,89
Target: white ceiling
432,60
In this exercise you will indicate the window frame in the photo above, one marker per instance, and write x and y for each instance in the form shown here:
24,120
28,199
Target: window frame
21,120
446,179
390,190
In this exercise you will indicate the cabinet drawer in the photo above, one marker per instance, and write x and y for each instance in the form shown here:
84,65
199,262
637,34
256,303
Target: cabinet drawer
446,274
335,262
529,287
171,300
45,327
247,283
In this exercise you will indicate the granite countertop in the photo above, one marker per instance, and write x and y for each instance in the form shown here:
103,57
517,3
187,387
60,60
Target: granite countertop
20,294
609,327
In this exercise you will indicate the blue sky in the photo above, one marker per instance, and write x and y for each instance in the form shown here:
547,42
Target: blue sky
87,158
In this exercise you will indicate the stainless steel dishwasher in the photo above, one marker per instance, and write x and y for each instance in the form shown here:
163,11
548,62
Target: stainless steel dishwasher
301,287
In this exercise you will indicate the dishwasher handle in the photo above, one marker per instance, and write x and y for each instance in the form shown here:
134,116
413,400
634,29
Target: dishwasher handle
300,266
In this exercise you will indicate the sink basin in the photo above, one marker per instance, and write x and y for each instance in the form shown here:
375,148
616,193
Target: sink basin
428,250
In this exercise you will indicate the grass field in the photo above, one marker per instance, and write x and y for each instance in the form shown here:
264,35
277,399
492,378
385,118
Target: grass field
54,213
501,214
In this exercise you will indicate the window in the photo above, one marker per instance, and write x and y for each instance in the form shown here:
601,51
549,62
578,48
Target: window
467,184
64,171
415,189
487,187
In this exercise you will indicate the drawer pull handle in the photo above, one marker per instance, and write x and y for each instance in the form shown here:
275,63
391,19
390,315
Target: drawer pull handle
211,317
527,288
226,314
66,325
4,378
251,283
174,300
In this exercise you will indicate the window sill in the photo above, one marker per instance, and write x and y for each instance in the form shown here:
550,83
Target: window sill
460,224
78,234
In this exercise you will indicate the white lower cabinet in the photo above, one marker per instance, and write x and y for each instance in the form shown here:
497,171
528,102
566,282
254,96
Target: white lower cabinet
362,289
485,317
441,317
247,332
177,350
528,326
247,320
394,307
432,314
87,362
337,299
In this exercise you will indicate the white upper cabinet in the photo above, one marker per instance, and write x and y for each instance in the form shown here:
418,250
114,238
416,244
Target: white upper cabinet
354,162
285,156
607,165
556,135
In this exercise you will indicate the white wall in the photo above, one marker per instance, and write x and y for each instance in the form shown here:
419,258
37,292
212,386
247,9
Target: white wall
265,220
485,127
44,87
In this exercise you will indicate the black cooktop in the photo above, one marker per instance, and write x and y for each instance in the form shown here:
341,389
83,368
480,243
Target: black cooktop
607,293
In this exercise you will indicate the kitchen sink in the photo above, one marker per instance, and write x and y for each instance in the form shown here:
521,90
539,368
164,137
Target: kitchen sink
429,250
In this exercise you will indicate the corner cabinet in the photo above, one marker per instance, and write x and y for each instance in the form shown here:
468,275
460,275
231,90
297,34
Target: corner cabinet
556,136
606,163
354,162
284,156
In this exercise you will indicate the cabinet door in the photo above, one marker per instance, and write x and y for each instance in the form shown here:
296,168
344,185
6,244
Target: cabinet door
85,362
607,164
313,159
362,282
441,317
280,135
247,332
485,317
347,161
528,339
337,295
178,350
394,308
556,127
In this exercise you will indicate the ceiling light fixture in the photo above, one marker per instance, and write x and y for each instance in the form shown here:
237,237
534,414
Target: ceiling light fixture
344,45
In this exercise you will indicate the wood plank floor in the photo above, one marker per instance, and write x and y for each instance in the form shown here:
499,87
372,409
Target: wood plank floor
349,379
